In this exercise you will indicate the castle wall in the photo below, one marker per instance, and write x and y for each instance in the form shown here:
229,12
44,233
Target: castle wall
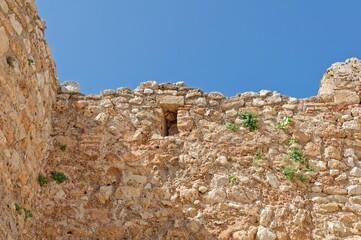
28,90
166,161
159,163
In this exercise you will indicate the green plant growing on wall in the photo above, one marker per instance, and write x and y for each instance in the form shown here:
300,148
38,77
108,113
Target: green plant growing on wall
63,147
18,208
10,61
302,177
233,180
284,123
296,155
232,126
59,177
255,163
249,120
28,213
309,168
31,62
289,172
42,180
292,140
258,155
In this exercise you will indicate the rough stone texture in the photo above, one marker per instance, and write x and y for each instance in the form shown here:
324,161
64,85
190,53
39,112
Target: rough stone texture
202,181
159,163
70,87
28,91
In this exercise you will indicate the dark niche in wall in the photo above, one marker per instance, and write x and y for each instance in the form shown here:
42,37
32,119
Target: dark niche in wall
169,122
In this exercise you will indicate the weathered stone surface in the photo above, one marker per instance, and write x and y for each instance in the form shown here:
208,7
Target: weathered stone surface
265,234
346,97
355,172
171,103
354,190
272,180
70,87
16,25
129,176
4,41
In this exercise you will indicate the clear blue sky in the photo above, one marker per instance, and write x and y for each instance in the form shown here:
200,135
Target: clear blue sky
231,46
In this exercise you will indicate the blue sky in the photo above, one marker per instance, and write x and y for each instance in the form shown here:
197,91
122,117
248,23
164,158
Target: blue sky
231,46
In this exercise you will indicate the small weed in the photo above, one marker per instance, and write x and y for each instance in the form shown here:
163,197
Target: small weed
63,147
258,155
42,180
284,123
28,213
289,172
232,126
31,62
198,174
296,155
59,177
292,140
10,61
302,177
233,180
309,169
255,163
18,208
249,120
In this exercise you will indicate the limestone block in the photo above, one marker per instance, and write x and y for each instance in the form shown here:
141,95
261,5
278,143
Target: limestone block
334,190
355,172
135,179
201,102
215,196
333,152
337,227
123,193
346,97
104,193
266,216
16,25
4,6
272,180
102,118
171,103
219,180
312,150
148,91
149,84
351,125
105,103
202,189
188,195
222,160
136,100
4,41
215,96
108,92
70,87
354,190
335,164
327,208
265,234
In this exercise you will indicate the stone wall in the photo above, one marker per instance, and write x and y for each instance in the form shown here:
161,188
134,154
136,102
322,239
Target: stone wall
166,161
28,90
160,163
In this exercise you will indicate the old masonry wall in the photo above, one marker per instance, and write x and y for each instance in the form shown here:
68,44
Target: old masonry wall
28,90
159,163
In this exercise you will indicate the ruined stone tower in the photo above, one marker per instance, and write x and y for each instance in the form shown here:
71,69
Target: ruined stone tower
165,161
